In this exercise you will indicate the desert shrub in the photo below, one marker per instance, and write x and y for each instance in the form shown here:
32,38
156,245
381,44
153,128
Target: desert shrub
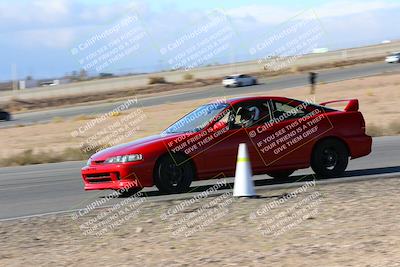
157,80
83,117
374,130
188,76
370,92
57,119
394,127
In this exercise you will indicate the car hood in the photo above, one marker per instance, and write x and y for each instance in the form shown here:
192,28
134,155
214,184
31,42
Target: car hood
131,147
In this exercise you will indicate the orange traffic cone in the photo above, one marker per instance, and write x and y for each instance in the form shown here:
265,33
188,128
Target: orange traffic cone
244,186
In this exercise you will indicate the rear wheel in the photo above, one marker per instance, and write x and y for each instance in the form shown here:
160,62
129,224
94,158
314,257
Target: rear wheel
174,174
280,174
329,158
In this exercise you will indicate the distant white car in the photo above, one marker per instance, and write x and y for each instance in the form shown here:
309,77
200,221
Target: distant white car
239,80
393,58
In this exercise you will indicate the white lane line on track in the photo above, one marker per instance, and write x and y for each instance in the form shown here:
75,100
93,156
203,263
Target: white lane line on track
39,215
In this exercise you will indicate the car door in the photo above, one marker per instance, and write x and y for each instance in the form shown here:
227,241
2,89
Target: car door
221,153
247,80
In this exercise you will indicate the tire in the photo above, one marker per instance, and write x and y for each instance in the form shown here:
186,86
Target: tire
174,174
239,84
329,158
129,192
255,82
280,174
8,117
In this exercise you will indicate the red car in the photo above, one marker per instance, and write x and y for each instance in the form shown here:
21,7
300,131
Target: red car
282,135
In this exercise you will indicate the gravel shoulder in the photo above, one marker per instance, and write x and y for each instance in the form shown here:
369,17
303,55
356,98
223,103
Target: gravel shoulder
345,224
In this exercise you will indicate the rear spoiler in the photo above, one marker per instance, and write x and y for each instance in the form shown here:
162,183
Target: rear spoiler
351,106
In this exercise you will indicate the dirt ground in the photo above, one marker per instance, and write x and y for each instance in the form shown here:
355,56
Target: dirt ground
378,96
342,224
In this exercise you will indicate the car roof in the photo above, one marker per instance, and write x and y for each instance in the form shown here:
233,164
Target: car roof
249,98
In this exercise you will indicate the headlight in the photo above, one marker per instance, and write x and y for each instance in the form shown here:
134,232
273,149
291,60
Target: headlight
126,158
88,162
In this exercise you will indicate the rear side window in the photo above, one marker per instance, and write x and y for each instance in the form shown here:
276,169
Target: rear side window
288,111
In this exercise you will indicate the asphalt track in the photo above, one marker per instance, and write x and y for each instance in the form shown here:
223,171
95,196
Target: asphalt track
282,82
52,188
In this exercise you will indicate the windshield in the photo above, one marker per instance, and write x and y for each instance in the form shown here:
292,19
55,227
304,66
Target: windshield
197,119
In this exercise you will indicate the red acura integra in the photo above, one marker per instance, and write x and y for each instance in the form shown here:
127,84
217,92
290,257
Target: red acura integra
282,135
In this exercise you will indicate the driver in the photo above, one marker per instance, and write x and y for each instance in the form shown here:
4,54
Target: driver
248,116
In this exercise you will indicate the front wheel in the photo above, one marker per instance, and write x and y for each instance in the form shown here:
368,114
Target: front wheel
330,158
174,174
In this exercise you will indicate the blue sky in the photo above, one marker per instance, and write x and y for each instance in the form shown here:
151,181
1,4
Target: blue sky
37,36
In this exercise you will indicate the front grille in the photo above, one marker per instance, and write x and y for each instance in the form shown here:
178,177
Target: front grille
99,178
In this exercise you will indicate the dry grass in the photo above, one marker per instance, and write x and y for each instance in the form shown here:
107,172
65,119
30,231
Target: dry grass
28,157
340,63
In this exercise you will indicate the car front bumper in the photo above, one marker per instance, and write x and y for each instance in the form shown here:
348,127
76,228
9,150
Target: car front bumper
391,60
229,83
115,176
